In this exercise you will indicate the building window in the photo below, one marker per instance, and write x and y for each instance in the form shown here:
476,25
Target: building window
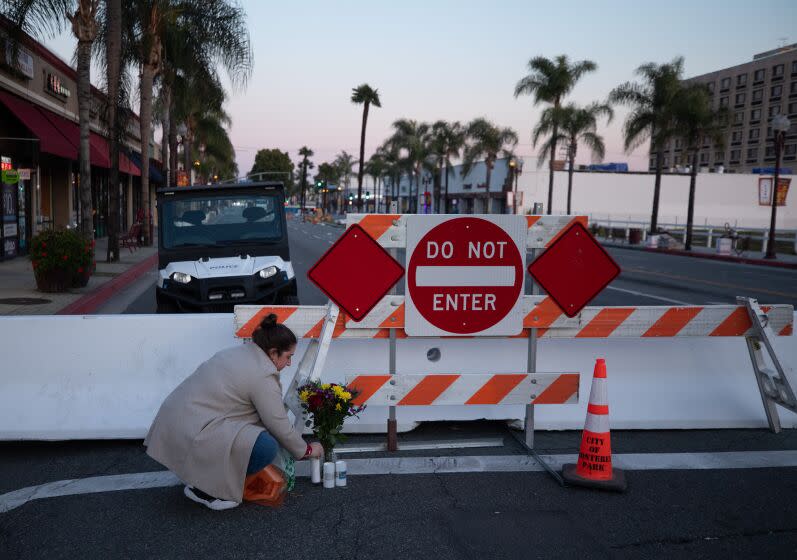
740,97
755,133
725,84
704,157
738,117
777,71
758,95
755,116
666,162
752,153
741,80
790,150
774,110
677,160
736,137
769,132
769,152
735,155
776,91
759,75
793,108
793,87
718,156
794,67
710,86
652,163
677,143
723,120
723,101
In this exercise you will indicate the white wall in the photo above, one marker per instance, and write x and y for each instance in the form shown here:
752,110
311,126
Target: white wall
719,198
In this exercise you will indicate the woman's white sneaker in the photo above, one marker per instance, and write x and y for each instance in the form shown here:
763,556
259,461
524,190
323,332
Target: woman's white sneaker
208,501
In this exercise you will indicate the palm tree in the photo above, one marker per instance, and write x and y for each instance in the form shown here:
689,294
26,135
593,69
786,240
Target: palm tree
411,138
344,162
696,124
306,154
575,124
448,139
36,16
390,153
486,142
549,81
376,167
217,30
651,114
366,96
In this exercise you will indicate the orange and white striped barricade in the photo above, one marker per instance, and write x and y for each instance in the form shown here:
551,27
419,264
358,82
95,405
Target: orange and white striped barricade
541,319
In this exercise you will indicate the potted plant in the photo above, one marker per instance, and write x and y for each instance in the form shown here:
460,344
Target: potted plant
85,264
59,259
328,405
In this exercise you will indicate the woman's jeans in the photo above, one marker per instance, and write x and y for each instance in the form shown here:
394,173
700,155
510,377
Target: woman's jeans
263,453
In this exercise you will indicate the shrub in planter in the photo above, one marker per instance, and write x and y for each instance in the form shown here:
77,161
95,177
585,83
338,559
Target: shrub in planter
61,259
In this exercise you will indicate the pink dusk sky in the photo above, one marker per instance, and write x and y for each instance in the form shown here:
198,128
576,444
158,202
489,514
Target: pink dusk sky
457,60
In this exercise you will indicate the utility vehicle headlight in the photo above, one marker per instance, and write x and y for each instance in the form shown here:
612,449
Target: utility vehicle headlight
268,272
181,277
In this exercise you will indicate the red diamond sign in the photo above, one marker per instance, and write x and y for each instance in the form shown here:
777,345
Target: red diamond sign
356,272
574,269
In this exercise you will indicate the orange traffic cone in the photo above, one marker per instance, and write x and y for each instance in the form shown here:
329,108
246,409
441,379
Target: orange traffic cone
594,468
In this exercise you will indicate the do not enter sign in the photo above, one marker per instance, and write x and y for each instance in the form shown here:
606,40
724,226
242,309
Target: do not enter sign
465,275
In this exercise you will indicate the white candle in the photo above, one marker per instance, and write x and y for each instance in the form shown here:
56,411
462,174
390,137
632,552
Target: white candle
315,470
329,475
340,473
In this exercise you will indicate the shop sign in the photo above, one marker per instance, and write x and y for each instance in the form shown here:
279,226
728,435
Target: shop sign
56,87
182,179
9,230
5,163
24,174
765,191
10,176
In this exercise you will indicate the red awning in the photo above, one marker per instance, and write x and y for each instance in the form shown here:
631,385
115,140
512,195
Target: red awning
129,167
52,140
99,148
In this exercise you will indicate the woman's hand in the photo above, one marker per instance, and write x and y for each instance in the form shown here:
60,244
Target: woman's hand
317,449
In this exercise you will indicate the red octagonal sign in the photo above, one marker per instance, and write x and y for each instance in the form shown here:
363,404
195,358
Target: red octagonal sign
574,269
464,275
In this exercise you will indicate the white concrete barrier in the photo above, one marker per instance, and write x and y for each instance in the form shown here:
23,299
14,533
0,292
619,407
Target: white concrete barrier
95,377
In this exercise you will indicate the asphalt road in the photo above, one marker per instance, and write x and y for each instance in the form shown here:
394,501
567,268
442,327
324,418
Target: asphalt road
646,278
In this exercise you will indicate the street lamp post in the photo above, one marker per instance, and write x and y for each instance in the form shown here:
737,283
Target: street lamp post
780,124
516,166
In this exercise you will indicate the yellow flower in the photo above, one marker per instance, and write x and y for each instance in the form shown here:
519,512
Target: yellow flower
304,394
346,396
325,386
338,390
337,406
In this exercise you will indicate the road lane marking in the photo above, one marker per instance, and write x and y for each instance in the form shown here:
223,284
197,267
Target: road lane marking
422,465
711,283
651,296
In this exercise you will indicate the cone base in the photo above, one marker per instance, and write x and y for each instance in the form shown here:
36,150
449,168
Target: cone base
615,484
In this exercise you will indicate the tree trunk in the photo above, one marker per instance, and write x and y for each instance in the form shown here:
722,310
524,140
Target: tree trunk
145,125
304,179
654,218
550,167
165,123
84,104
489,176
362,157
448,170
172,165
570,175
113,77
690,211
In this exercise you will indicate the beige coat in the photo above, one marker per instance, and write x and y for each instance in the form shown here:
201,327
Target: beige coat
205,429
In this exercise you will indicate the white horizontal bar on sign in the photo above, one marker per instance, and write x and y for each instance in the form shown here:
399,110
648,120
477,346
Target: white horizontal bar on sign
465,276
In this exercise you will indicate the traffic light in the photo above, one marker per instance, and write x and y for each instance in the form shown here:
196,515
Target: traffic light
319,184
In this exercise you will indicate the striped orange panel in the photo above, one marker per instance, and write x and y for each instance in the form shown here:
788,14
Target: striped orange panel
673,321
377,224
558,392
736,324
282,314
496,389
605,322
425,392
367,385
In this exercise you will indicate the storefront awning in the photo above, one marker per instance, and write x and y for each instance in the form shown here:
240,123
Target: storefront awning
99,145
52,140
155,176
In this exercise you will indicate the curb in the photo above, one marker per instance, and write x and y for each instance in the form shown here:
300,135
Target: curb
682,253
89,303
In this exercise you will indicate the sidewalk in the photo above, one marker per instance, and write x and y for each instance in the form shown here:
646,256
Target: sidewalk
18,294
783,260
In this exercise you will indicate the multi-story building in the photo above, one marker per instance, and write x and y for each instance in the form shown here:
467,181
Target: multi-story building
753,93
39,137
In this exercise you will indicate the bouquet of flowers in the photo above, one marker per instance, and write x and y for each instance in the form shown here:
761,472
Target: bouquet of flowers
327,405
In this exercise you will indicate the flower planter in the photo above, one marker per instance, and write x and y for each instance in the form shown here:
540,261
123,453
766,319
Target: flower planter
81,279
54,280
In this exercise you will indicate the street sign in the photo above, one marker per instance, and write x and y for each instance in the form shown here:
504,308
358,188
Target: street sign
356,272
574,269
465,275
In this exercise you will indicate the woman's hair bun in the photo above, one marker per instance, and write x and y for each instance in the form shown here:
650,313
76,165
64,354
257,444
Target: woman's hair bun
268,321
